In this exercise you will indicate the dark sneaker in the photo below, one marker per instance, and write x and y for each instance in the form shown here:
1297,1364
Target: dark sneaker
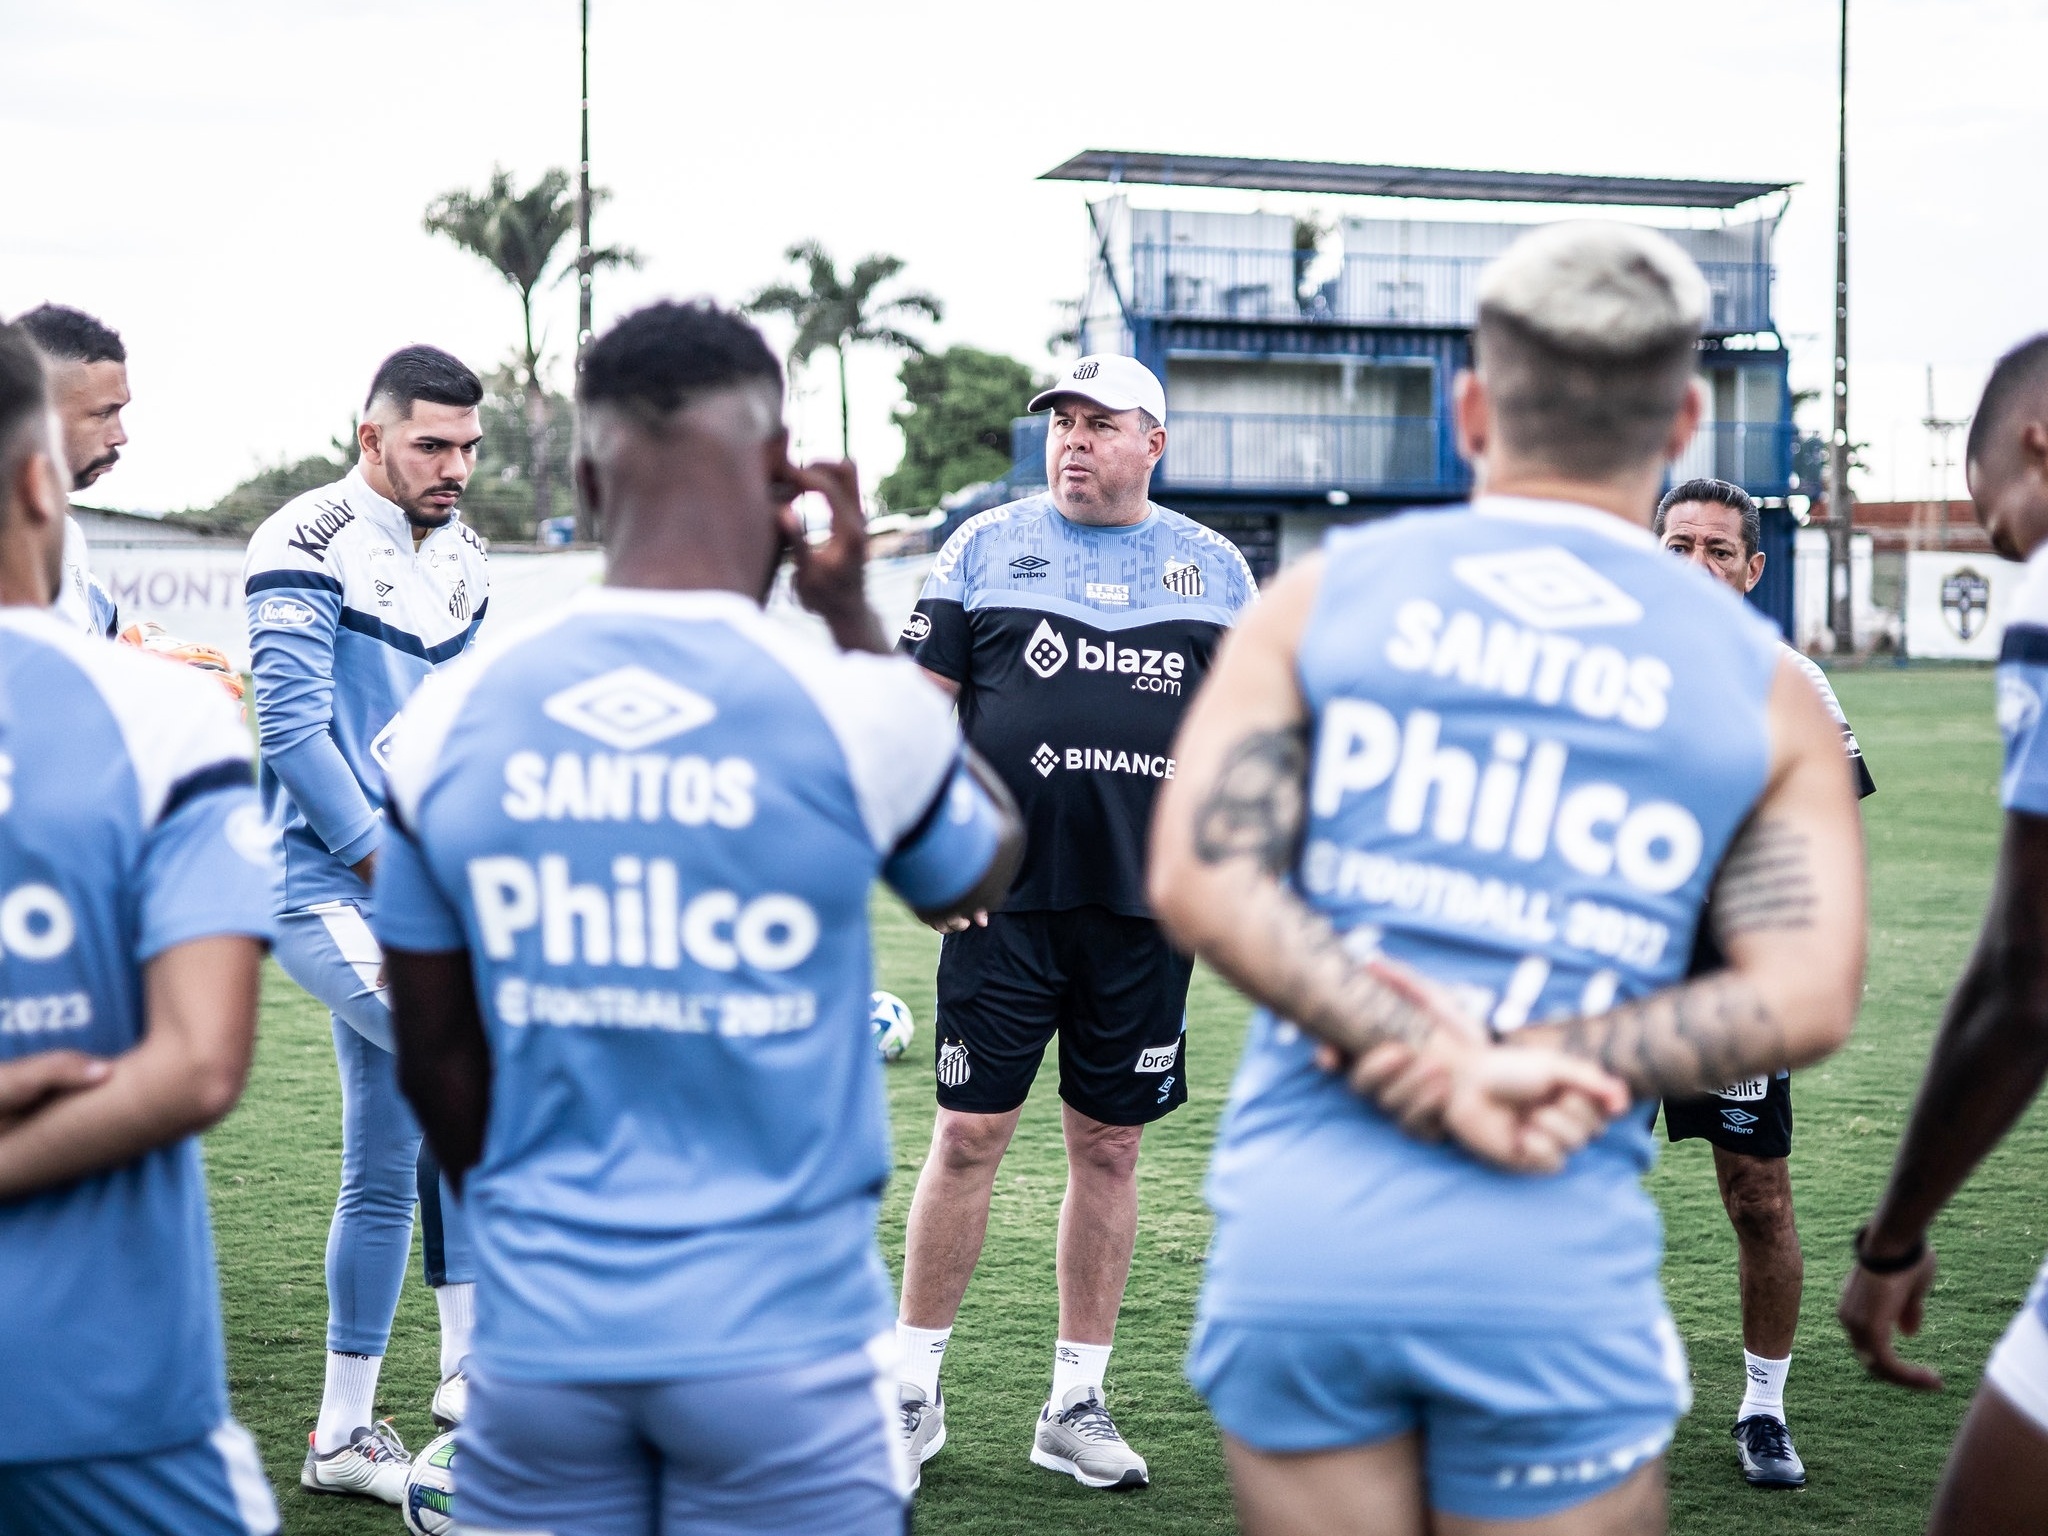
1764,1446
1080,1439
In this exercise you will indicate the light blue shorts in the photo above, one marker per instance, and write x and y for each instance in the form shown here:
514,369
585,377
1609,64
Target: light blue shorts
797,1451
212,1487
1514,1426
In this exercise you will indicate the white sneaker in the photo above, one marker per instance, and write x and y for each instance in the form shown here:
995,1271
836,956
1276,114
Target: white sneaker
923,1427
373,1465
1081,1440
451,1400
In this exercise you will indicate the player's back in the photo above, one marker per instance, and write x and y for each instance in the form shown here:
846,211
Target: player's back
1535,735
125,808
658,818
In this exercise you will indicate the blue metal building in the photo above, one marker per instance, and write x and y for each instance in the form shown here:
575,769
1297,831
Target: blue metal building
1308,365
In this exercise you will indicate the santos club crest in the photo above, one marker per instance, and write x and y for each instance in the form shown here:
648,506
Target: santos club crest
1183,578
1965,602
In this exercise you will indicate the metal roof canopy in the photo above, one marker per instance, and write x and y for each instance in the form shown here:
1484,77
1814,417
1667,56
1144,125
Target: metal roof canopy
1116,165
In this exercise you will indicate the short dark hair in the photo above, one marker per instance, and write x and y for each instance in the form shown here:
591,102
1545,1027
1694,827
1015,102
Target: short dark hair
71,335
2021,373
24,389
659,359
1720,493
424,373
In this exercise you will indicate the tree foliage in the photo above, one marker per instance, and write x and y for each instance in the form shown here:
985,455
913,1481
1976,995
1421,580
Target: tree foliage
841,312
498,502
956,422
521,234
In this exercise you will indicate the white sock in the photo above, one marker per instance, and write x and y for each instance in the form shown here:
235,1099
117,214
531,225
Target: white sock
1077,1365
348,1401
458,1319
923,1351
1766,1390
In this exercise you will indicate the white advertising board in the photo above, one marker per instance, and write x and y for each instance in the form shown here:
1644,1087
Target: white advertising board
194,593
197,593
1956,604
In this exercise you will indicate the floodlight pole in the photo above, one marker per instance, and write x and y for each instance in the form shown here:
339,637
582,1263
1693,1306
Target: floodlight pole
583,329
1841,617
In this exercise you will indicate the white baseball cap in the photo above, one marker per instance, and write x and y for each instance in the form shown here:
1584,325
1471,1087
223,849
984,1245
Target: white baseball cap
1112,380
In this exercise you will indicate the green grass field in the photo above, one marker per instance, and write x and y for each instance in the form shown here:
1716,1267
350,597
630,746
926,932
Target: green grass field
1873,1452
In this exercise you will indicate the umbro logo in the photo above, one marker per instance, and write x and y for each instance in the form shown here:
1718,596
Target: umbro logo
1029,567
1548,587
380,744
629,708
1738,1119
1046,651
384,589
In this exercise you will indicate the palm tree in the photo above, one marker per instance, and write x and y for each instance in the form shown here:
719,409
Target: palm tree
519,234
841,312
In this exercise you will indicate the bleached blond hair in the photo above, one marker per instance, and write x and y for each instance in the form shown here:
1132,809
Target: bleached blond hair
1585,338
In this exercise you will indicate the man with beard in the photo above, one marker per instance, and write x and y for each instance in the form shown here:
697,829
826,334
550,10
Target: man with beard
88,368
356,592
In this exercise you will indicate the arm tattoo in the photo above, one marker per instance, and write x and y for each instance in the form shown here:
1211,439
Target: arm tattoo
1255,808
1285,953
1765,883
1697,1038
1713,1031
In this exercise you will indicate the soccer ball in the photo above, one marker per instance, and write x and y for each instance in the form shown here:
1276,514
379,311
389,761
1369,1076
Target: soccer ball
890,1024
429,1507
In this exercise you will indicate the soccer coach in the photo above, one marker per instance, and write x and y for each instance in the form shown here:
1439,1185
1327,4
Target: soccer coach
1073,627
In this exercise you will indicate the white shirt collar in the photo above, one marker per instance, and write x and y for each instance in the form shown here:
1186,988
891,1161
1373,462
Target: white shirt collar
386,514
1570,514
702,603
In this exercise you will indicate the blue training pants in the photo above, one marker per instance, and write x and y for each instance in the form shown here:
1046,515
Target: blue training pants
385,1164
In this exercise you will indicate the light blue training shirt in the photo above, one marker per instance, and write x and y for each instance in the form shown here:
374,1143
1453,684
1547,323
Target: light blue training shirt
1534,734
653,821
345,619
128,826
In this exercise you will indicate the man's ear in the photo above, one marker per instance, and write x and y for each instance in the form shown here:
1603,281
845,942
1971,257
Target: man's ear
370,439
584,471
1155,443
1471,415
2034,448
1756,570
1691,411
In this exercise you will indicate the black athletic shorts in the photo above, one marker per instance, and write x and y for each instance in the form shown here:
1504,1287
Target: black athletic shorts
1752,1117
1110,986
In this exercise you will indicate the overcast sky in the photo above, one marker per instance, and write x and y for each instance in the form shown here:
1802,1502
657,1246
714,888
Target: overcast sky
238,187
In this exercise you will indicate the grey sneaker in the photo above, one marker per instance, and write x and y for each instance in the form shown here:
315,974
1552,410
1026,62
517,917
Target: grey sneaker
1764,1447
372,1465
1081,1440
451,1401
923,1426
